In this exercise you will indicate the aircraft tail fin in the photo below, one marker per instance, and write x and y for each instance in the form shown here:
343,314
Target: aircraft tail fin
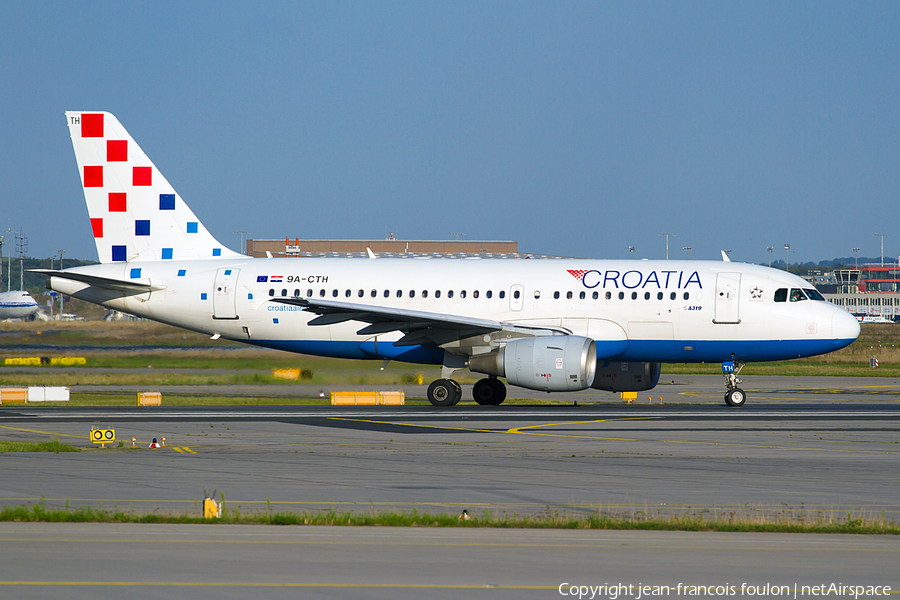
136,215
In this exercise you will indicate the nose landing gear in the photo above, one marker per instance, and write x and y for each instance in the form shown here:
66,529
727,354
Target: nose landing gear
735,396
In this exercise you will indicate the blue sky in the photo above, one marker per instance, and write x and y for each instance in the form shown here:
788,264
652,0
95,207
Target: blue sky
576,128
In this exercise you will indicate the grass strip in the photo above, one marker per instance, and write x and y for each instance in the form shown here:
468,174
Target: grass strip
51,446
414,518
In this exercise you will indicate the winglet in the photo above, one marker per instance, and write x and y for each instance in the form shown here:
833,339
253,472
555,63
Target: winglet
725,256
370,253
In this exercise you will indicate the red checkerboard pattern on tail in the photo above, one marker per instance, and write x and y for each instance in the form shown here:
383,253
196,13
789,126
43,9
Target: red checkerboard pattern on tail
136,215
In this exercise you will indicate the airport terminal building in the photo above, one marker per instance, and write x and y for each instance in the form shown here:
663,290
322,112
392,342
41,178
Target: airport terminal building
871,291
388,248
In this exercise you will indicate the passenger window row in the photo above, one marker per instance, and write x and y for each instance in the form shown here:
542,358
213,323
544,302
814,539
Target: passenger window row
322,293
387,293
622,295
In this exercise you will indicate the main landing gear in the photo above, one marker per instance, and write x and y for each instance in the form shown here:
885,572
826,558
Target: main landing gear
735,396
446,392
489,391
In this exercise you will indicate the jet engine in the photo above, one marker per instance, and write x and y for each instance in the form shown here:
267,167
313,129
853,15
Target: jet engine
558,363
626,376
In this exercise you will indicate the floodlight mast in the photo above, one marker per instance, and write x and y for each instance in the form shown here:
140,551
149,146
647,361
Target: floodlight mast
882,236
668,235
21,250
242,233
9,260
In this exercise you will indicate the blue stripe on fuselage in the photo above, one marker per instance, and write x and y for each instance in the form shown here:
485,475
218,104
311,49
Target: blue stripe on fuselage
638,350
721,350
357,350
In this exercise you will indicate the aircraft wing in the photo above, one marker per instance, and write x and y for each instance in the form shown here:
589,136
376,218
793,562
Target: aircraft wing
119,285
418,327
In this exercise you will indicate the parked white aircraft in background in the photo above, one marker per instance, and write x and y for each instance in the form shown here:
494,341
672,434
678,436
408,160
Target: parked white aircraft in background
547,325
17,305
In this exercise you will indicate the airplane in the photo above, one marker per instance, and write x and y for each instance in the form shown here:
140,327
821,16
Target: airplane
549,325
17,304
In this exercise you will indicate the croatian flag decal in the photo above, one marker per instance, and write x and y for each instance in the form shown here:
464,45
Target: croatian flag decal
275,279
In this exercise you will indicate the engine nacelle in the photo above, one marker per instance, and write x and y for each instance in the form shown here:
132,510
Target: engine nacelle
626,376
553,363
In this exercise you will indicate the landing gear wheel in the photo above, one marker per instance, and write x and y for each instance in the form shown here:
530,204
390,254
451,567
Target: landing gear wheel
458,391
489,392
499,391
735,397
444,392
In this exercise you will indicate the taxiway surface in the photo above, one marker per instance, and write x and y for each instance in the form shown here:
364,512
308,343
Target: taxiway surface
819,445
817,448
168,561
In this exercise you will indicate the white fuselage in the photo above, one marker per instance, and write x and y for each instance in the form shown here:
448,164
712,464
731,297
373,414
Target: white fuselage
17,305
654,311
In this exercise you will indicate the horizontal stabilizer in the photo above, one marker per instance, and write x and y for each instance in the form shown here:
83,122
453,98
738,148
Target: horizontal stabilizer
119,285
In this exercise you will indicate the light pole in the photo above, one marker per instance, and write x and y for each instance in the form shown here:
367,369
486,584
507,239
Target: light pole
11,238
241,233
882,236
856,257
52,258
668,235
786,248
61,253
21,250
688,250
769,250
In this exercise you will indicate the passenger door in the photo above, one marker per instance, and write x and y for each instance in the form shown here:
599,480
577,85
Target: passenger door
728,287
224,294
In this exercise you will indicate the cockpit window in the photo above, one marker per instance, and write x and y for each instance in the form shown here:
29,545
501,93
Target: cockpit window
813,294
797,295
781,295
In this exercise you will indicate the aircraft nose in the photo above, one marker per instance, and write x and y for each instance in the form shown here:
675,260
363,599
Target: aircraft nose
844,328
